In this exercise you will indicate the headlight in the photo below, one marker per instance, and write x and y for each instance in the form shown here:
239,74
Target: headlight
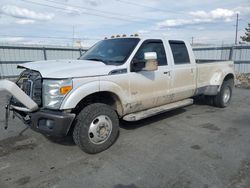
54,92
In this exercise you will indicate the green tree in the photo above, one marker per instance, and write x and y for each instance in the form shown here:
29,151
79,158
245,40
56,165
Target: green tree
246,38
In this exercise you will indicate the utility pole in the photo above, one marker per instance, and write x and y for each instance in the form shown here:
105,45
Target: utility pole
192,41
236,28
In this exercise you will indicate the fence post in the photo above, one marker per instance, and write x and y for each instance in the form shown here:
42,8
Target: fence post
1,68
80,50
231,53
44,53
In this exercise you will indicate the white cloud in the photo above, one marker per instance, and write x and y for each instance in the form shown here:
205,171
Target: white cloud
25,21
93,2
243,10
72,11
11,39
143,31
174,23
218,13
181,22
23,13
200,17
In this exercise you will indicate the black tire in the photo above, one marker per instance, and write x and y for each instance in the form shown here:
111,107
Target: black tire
227,86
86,118
209,100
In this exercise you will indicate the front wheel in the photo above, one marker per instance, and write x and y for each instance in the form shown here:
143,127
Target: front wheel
223,98
96,128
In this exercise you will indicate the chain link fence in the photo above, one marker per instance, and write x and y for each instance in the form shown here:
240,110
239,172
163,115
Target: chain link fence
11,56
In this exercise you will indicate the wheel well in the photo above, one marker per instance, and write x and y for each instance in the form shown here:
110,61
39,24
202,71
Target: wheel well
228,77
105,97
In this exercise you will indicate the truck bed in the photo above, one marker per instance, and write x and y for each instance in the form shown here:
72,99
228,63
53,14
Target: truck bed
209,72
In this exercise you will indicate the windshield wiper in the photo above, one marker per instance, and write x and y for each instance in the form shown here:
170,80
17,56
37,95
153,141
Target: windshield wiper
112,62
96,59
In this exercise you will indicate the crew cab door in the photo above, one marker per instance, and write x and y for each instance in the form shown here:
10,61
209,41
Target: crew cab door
149,88
183,83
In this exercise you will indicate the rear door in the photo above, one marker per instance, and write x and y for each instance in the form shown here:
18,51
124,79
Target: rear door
183,82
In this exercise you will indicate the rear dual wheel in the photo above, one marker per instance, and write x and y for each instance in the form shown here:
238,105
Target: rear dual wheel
223,98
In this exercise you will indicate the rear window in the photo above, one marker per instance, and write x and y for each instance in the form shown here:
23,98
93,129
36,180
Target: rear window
180,52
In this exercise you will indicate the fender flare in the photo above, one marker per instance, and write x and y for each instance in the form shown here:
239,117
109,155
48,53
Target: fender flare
74,97
219,77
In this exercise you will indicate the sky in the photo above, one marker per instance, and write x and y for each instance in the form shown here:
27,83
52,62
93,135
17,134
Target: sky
71,22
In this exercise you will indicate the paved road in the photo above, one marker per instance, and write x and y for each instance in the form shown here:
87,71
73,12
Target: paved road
197,146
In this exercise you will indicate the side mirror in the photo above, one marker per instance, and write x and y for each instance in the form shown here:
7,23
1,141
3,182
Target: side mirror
148,64
151,63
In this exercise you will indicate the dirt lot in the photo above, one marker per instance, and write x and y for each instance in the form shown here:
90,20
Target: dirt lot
197,146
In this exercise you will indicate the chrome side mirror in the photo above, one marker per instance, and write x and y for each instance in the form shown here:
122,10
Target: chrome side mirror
151,63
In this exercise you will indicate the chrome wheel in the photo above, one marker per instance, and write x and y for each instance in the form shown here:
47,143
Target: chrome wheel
100,129
226,95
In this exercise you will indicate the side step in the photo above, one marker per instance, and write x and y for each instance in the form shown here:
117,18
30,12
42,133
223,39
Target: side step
157,110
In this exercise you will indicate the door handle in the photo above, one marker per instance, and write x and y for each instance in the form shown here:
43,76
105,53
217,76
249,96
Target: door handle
167,72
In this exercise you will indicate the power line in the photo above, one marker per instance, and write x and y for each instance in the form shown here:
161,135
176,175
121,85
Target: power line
101,11
49,37
146,6
245,20
93,14
65,9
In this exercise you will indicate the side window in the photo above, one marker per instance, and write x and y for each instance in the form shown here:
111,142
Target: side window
180,52
152,46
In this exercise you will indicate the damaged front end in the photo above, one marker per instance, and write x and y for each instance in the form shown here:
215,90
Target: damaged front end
26,104
26,95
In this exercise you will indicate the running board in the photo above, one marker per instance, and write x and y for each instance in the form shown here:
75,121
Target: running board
157,110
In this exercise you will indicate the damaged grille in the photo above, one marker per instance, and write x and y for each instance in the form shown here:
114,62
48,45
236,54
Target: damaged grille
31,83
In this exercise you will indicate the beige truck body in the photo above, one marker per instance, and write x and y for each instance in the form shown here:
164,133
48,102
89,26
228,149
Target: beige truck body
130,78
136,91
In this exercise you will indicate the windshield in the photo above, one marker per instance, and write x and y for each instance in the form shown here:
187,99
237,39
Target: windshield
112,51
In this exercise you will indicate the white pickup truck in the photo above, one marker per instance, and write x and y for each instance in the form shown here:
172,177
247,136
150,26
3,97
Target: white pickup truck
127,77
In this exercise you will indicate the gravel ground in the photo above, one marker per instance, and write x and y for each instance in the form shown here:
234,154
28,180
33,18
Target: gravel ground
243,80
196,146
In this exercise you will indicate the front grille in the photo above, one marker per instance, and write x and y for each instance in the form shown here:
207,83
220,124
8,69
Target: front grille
31,83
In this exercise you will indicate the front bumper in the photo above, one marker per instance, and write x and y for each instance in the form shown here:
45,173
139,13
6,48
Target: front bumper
49,122
52,123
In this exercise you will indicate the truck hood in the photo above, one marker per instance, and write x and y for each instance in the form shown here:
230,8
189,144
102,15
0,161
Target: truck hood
69,68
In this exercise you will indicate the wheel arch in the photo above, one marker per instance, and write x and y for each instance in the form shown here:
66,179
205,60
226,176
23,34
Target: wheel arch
98,91
228,76
105,97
